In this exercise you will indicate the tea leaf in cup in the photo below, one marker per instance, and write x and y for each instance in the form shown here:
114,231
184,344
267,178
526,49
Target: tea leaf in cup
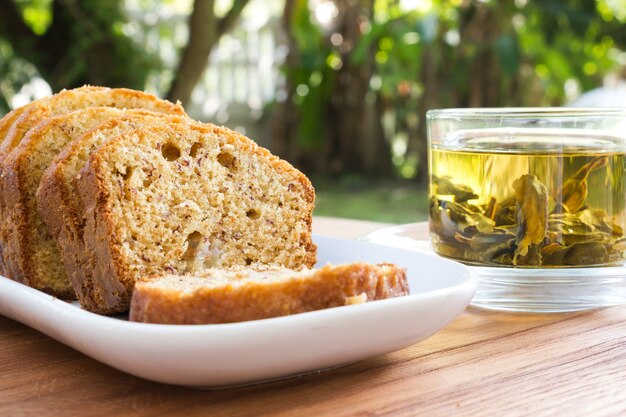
532,212
586,253
573,193
505,212
531,258
461,193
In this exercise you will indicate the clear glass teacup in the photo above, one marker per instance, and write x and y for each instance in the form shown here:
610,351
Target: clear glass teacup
534,200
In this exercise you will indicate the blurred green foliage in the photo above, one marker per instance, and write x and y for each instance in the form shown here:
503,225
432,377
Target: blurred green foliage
68,44
313,75
15,73
416,55
575,41
525,52
37,14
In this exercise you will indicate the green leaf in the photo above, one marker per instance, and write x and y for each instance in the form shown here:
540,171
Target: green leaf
532,212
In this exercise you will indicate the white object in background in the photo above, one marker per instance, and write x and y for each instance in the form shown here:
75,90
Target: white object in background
613,96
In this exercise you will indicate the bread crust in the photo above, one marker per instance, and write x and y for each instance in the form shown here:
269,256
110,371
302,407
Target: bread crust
8,119
329,286
109,276
103,279
75,99
5,125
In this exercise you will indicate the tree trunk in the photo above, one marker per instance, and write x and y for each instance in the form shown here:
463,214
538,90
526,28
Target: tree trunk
205,30
479,25
284,120
356,138
353,138
431,79
202,38
483,28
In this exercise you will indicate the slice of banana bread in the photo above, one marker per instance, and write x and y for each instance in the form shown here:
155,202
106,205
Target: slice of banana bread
182,198
5,125
58,202
30,254
226,296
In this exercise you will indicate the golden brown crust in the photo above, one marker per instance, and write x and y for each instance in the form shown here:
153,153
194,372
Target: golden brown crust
14,126
329,286
5,125
55,214
105,292
8,119
115,260
79,98
31,113
27,243
13,226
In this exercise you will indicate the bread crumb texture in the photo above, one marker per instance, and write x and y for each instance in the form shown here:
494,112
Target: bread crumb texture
30,253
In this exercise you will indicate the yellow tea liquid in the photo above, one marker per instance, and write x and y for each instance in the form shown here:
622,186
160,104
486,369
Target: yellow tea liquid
528,198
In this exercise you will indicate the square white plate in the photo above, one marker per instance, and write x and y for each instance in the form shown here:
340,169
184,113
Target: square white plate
219,355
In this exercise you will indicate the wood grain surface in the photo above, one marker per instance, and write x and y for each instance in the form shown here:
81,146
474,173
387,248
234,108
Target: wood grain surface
483,364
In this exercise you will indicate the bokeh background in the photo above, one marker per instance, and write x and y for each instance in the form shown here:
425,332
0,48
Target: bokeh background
339,88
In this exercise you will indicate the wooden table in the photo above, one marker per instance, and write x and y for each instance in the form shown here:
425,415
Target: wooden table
482,364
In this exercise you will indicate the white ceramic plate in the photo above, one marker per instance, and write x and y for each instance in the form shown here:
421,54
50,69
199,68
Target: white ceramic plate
403,236
220,355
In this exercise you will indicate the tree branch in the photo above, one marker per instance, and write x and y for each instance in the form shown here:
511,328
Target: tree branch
81,18
53,47
13,28
226,22
205,30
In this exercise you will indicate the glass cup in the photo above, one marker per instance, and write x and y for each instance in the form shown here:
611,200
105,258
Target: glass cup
534,201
